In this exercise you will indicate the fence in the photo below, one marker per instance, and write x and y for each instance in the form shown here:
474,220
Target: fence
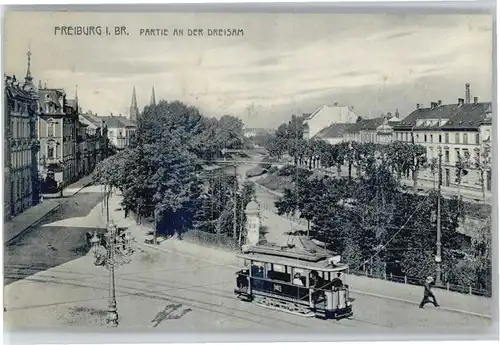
416,281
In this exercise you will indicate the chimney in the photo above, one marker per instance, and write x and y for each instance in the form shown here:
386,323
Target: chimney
418,105
467,93
476,99
460,102
440,102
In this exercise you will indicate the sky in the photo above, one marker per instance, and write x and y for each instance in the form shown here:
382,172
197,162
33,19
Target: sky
284,64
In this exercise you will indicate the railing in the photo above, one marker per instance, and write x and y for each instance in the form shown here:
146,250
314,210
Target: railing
416,281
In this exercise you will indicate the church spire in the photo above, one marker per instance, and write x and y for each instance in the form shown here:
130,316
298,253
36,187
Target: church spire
153,98
134,110
28,77
28,80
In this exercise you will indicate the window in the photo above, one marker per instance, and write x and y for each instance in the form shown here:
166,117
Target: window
417,139
457,138
51,128
466,138
425,138
477,138
406,136
431,139
431,153
447,156
446,138
51,149
457,154
440,138
465,154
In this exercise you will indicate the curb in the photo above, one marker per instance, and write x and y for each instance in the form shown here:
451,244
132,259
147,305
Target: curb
453,310
32,225
84,186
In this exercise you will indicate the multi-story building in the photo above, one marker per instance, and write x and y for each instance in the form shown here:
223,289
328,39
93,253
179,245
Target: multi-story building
120,130
57,126
460,132
374,130
96,138
21,183
325,116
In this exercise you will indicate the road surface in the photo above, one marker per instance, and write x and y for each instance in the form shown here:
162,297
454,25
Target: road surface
171,292
168,290
58,239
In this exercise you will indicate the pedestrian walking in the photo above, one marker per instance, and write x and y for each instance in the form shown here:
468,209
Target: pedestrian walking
428,294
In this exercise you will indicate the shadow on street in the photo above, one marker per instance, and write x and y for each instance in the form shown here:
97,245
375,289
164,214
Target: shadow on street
44,247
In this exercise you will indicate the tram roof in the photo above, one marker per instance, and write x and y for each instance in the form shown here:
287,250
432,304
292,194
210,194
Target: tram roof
321,265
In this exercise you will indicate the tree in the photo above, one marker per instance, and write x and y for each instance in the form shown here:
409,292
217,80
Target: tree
229,133
461,166
482,256
483,163
433,165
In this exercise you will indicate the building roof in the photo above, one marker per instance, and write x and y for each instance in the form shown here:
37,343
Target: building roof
51,96
258,131
117,121
466,116
94,119
334,111
469,116
14,90
365,125
110,121
335,130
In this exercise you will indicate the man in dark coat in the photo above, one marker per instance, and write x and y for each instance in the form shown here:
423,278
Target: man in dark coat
337,282
428,294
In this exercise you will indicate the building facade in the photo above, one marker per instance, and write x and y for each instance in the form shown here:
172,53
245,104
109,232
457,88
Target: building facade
57,133
326,116
120,131
96,134
21,182
460,132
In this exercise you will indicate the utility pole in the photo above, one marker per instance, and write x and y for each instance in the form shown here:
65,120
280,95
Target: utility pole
155,225
297,173
235,215
438,221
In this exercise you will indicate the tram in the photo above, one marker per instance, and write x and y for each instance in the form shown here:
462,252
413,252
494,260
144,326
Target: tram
299,281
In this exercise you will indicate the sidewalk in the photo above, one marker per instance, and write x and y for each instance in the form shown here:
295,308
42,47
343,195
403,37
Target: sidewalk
29,218
377,288
77,186
32,216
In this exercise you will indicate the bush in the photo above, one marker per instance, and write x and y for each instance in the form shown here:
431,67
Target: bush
272,170
255,172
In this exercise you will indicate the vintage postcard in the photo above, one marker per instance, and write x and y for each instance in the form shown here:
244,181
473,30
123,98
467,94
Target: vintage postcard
289,172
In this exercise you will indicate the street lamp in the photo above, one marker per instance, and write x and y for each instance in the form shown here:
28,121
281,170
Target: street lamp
116,251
